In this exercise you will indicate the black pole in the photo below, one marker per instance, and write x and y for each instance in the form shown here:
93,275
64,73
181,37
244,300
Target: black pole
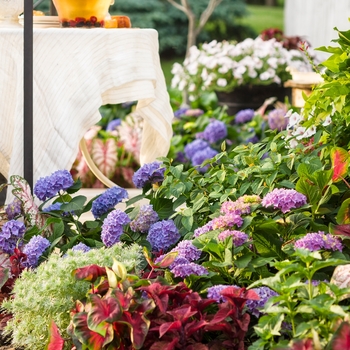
28,93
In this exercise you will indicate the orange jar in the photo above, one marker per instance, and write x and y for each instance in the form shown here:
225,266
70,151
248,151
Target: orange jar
82,13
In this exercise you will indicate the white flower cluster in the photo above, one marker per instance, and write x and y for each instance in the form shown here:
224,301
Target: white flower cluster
222,66
297,131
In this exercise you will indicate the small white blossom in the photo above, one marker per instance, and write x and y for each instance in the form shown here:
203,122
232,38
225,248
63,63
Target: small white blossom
222,82
327,121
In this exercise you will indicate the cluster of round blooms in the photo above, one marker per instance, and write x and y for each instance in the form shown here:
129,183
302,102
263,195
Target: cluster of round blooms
113,124
34,249
244,116
223,66
163,234
14,209
227,220
319,240
238,237
149,173
215,131
215,292
284,199
11,235
198,151
108,200
254,306
112,227
184,270
81,247
277,120
188,112
49,186
204,229
144,219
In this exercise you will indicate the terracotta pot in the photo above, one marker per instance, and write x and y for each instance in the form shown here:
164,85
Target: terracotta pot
251,96
82,13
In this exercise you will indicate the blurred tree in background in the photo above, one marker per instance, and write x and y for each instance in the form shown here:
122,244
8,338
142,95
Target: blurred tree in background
172,24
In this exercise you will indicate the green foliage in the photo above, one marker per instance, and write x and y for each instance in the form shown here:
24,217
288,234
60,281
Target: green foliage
303,309
49,292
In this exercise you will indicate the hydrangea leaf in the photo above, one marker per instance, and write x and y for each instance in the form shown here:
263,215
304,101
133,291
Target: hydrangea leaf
104,154
340,163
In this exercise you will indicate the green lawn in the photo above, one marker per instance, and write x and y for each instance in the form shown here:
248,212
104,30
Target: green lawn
263,17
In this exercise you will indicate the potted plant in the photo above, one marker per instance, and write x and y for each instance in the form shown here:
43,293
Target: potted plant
243,75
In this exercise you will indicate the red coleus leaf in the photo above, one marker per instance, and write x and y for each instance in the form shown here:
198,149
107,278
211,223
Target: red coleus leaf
164,345
56,342
138,323
340,163
342,230
104,154
194,326
89,273
106,310
341,338
86,336
182,313
169,326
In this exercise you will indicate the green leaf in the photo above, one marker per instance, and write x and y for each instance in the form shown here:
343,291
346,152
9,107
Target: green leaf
163,206
343,216
243,260
77,203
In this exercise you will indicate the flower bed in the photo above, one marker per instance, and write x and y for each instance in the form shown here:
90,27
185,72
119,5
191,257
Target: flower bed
246,249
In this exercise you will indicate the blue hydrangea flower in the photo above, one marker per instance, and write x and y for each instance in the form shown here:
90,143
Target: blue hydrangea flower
215,292
34,249
185,270
49,186
163,234
238,237
181,157
149,173
319,240
52,207
144,219
112,227
180,112
113,124
194,146
108,200
14,209
276,119
214,132
11,235
81,247
254,306
244,116
200,156
284,199
253,139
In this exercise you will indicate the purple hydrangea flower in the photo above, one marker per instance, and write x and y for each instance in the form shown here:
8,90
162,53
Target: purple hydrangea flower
284,199
81,247
113,124
189,269
200,156
253,139
108,200
254,306
181,157
144,219
238,237
319,240
226,221
194,146
276,119
163,234
215,292
244,116
149,173
204,229
180,112
214,132
11,234
14,209
52,207
112,227
49,186
34,249
241,205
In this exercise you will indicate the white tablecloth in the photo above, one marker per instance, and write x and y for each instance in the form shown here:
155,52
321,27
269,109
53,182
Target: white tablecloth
75,72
